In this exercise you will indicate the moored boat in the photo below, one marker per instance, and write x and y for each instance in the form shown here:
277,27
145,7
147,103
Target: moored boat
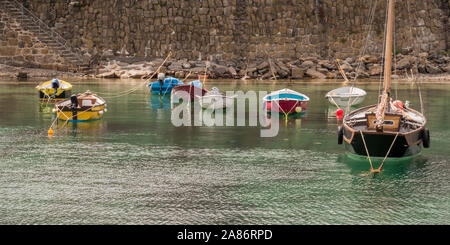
389,128
215,100
346,96
81,108
190,90
167,86
286,101
54,90
401,134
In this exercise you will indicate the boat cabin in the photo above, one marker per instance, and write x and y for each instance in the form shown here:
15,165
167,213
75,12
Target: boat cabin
391,121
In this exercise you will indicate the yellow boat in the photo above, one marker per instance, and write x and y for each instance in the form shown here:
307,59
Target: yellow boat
54,90
81,108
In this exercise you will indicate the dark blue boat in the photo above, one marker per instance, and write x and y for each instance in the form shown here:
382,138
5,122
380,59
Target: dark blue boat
166,89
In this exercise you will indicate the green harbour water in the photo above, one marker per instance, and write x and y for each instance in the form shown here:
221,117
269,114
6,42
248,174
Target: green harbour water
135,167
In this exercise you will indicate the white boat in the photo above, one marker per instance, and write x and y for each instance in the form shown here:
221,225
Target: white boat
346,96
215,100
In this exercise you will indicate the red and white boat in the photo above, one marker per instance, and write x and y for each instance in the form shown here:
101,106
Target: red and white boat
286,101
190,90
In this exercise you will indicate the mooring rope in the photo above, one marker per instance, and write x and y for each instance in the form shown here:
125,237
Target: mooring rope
286,114
389,151
335,102
379,169
126,92
50,131
367,152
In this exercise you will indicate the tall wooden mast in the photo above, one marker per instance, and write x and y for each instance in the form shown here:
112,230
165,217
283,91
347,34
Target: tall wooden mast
388,51
384,102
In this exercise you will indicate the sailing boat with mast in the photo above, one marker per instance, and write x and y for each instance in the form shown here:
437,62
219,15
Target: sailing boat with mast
386,129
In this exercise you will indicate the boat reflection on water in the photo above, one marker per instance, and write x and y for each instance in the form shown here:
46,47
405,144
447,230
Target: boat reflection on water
46,107
292,120
359,165
91,128
160,102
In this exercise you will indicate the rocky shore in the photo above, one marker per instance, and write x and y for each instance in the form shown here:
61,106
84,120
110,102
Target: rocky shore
118,67
302,68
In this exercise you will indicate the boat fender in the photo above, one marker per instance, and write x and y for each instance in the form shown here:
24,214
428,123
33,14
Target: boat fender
100,112
340,135
298,109
339,114
426,138
54,110
269,106
398,105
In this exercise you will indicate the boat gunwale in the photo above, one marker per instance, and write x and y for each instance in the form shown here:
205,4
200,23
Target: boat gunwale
286,91
374,132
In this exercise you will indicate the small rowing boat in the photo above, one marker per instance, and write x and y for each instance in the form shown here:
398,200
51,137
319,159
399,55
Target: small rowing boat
346,96
189,90
54,90
286,101
81,108
215,100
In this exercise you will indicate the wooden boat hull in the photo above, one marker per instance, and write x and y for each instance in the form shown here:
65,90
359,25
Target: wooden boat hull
408,143
81,108
82,114
64,95
287,106
346,96
191,90
345,101
378,144
46,91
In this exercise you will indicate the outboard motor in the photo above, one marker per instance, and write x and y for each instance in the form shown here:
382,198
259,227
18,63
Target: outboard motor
161,77
55,86
74,101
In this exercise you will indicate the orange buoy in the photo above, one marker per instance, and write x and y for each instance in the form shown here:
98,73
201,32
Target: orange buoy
50,132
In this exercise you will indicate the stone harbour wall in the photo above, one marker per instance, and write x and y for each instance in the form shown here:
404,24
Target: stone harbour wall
21,48
241,31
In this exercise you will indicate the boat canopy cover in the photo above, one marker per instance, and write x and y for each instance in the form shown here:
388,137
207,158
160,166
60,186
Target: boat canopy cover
287,94
346,92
